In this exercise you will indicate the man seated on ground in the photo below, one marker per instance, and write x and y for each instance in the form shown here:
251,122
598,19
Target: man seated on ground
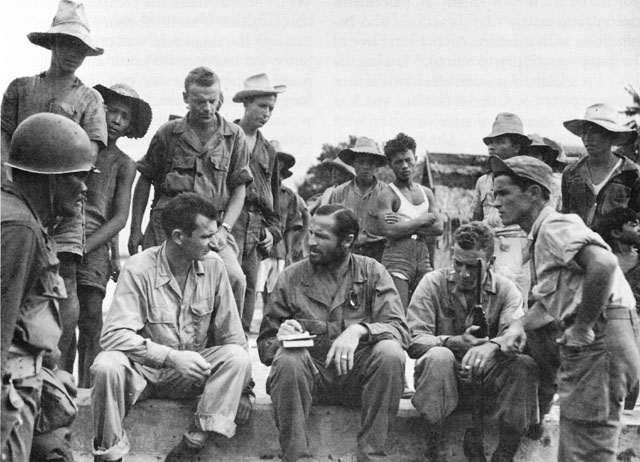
408,214
173,330
351,304
444,342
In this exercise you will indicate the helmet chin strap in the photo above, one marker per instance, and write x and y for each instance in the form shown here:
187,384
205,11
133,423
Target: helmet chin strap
51,205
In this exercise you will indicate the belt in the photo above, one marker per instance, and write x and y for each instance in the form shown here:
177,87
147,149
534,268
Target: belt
22,366
417,237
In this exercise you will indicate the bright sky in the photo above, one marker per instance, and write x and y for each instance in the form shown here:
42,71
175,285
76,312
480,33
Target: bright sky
437,70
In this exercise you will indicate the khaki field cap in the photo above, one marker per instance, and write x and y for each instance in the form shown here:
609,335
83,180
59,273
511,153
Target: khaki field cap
541,144
285,159
70,20
524,167
606,117
363,145
141,117
257,85
507,123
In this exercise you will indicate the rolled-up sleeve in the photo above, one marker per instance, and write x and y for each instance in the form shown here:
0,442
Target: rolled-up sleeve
275,312
239,169
126,317
226,327
10,108
94,120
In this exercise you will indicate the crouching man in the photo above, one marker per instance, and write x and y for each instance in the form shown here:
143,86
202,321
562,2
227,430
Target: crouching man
173,330
351,304
450,355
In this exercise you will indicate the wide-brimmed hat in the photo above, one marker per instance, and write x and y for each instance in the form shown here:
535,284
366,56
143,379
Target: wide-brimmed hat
606,117
69,20
507,123
141,117
524,167
338,163
363,145
285,159
257,85
541,143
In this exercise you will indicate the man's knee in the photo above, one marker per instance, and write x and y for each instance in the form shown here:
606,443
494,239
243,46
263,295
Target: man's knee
437,358
108,365
523,369
388,353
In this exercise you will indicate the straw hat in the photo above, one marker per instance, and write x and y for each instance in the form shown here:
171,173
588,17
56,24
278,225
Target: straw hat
141,110
338,163
257,85
507,123
363,145
606,117
70,20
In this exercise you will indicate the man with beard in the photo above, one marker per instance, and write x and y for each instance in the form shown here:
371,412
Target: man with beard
349,302
50,157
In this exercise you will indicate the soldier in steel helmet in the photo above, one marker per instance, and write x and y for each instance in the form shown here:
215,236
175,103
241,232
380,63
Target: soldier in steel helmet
50,156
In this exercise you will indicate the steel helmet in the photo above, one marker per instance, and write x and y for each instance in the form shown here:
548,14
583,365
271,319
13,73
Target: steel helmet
50,144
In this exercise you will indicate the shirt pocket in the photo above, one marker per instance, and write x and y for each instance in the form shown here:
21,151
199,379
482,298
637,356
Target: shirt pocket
161,326
219,158
354,307
201,313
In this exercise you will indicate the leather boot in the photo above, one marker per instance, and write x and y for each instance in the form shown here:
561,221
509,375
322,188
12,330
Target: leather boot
508,445
435,444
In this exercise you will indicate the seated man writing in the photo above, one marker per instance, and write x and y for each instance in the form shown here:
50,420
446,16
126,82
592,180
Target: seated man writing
173,331
351,304
445,343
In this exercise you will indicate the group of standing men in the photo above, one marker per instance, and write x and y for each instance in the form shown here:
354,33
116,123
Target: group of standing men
367,291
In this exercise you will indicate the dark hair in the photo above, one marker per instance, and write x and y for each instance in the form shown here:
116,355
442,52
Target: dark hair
523,183
201,76
250,99
614,220
475,236
181,213
345,218
400,144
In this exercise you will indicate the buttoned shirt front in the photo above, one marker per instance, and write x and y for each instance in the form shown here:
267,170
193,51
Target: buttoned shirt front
438,309
363,294
150,316
349,195
177,161
558,279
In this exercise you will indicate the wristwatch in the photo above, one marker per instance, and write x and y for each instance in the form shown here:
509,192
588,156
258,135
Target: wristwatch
226,226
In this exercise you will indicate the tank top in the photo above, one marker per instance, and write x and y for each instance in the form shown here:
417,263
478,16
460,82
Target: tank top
407,210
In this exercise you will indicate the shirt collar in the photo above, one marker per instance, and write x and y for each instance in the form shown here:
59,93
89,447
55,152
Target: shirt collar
544,213
163,270
223,126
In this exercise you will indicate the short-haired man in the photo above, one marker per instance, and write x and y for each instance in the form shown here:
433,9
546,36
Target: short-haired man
203,153
50,157
172,331
507,139
408,214
602,180
106,213
444,343
339,173
577,281
258,226
361,194
351,304
58,90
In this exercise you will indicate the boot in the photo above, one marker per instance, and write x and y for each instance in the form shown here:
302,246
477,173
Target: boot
508,445
435,444
473,445
183,452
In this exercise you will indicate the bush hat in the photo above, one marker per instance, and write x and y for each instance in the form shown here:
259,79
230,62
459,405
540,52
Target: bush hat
542,143
285,159
141,110
606,117
339,164
507,123
257,85
525,167
363,145
70,20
